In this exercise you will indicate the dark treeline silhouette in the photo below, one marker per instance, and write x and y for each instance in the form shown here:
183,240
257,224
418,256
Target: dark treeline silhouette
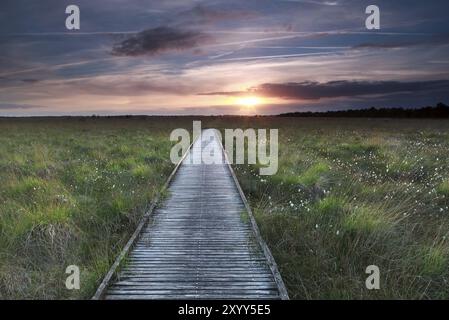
440,111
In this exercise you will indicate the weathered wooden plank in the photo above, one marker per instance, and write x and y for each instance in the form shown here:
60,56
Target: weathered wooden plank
193,279
221,281
195,286
186,273
220,296
195,255
242,292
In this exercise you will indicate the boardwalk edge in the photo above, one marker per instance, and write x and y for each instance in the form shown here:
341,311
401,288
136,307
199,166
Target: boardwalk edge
283,293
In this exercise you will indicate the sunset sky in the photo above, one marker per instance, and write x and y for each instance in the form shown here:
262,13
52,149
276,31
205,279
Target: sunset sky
220,56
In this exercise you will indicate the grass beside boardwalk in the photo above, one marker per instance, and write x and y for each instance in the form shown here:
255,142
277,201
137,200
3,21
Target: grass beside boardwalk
354,193
71,193
349,193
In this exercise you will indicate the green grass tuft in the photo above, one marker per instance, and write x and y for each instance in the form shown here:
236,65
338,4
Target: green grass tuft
443,188
435,260
365,219
313,174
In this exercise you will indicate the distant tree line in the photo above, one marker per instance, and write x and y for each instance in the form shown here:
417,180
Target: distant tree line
439,111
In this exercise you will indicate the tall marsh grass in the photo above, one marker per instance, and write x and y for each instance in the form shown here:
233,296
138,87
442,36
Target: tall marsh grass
71,192
354,193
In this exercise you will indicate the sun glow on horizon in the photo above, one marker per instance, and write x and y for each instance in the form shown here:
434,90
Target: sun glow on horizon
249,101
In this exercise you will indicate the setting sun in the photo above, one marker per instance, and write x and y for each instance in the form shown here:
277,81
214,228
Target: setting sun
250,101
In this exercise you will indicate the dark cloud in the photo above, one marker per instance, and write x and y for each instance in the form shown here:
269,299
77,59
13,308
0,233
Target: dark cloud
30,80
336,89
157,40
175,35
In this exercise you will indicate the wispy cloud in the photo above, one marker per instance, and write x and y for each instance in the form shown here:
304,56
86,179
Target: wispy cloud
321,3
431,40
55,67
13,106
208,14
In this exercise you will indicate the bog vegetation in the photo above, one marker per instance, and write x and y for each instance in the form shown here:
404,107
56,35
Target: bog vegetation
348,194
354,193
71,193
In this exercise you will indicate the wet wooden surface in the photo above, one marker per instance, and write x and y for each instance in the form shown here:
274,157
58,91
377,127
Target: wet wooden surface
199,244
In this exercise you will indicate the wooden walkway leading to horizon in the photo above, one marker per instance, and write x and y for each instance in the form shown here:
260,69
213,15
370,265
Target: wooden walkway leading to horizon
200,243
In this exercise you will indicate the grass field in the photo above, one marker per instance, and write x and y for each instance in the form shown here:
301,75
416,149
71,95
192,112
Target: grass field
71,192
348,194
354,193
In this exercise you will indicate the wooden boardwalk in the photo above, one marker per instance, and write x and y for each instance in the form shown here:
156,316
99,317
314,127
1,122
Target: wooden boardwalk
201,243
